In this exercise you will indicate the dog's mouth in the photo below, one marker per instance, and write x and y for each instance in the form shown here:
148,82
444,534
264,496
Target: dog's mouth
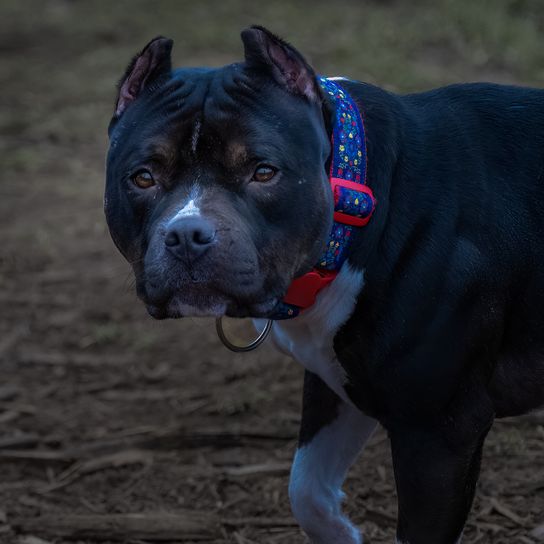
174,297
212,306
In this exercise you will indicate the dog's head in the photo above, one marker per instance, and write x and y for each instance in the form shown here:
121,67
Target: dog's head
217,192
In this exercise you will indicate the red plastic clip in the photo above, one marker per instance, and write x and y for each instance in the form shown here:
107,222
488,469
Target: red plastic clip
303,290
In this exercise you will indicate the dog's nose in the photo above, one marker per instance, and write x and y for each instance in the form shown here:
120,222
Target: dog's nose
189,237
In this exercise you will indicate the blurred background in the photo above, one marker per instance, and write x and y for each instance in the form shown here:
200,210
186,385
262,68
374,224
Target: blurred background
104,412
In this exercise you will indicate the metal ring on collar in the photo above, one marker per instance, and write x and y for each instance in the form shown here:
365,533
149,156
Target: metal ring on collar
248,347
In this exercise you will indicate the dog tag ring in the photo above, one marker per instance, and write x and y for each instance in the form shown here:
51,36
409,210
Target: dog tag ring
248,347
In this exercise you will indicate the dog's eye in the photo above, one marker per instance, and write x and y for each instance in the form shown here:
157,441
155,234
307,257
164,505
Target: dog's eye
143,179
264,173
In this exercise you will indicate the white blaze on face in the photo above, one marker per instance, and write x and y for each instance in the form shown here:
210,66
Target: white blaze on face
190,209
194,137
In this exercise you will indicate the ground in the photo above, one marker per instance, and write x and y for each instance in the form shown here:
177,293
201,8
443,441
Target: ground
105,412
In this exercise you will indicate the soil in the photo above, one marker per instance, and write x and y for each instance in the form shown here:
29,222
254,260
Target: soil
105,412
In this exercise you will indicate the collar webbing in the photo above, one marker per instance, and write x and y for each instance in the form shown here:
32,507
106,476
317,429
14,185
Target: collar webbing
353,200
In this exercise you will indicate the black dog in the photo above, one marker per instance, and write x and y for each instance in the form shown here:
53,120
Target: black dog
218,195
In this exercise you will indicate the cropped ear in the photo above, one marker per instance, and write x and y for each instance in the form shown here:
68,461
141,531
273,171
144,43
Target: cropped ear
153,62
288,67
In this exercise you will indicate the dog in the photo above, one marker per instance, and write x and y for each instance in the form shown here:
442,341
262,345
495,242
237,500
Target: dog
218,193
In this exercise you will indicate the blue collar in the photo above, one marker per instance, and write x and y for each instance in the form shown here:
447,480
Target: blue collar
353,200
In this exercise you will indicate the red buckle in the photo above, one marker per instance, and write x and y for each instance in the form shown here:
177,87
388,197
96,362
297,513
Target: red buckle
344,217
303,290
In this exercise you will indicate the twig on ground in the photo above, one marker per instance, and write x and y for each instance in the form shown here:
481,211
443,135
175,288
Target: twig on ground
507,513
153,438
19,440
260,522
538,532
57,358
30,539
155,527
114,460
258,469
8,391
10,340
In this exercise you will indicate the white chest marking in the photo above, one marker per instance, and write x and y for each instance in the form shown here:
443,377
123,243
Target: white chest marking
309,337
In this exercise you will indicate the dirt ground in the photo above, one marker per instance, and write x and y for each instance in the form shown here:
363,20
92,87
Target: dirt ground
104,412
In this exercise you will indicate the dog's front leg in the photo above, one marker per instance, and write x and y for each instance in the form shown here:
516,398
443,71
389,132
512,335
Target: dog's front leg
332,435
436,469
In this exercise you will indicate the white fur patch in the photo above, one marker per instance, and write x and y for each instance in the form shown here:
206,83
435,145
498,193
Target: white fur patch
187,310
318,472
195,136
320,466
308,338
189,210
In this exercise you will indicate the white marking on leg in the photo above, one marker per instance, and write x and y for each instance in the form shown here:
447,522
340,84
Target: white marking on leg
317,475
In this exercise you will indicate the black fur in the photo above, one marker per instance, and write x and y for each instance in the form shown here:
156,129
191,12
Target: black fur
453,258
319,407
447,333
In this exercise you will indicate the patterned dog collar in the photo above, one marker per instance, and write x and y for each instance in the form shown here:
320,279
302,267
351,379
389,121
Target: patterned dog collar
353,201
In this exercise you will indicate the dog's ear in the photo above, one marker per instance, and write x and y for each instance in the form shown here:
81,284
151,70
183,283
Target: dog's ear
264,50
153,62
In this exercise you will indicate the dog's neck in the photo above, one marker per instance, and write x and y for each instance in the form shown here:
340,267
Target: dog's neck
354,201
309,338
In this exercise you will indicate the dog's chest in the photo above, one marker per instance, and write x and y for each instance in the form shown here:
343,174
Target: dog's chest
309,337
